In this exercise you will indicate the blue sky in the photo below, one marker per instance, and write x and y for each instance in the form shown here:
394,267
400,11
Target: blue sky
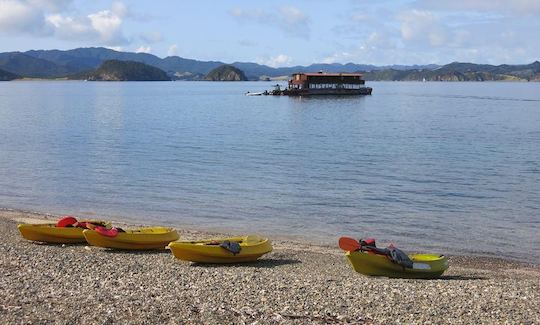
284,33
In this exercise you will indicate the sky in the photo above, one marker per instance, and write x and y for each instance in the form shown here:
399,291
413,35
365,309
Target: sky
284,33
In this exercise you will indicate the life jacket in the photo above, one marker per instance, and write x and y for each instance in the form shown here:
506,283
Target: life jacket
69,221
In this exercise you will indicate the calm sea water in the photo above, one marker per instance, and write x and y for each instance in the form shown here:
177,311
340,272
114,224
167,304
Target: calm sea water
446,167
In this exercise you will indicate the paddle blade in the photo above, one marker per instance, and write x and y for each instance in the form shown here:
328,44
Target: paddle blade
66,221
349,244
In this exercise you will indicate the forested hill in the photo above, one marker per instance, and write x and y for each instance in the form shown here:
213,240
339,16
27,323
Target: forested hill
461,72
115,70
226,73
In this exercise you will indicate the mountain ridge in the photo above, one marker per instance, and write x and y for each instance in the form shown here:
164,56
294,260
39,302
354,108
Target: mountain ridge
461,71
64,63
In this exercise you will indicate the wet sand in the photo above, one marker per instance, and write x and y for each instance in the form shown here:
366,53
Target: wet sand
296,283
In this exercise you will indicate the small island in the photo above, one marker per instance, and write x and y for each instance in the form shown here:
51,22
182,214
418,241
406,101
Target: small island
116,70
226,73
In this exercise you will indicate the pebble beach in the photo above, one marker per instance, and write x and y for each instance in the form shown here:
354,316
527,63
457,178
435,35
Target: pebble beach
298,283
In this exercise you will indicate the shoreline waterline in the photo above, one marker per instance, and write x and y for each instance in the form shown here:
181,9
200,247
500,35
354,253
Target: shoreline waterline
294,284
215,232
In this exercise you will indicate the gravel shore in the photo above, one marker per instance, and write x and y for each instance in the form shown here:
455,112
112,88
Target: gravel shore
296,283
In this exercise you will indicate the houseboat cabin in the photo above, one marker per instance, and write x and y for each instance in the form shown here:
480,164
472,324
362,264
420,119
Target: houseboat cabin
327,84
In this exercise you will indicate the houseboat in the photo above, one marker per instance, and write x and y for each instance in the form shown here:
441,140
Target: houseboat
320,83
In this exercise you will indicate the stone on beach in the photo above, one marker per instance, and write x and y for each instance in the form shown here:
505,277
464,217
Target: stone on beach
296,284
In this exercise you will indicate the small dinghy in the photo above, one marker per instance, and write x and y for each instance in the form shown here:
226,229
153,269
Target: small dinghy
391,262
226,250
67,230
254,94
135,239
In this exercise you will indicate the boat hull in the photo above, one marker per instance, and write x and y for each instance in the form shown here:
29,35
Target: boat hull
425,266
49,233
328,92
140,239
205,252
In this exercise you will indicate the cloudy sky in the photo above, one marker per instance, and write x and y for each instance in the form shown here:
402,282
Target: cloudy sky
284,33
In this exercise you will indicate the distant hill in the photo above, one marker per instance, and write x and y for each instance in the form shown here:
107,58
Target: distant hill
116,70
58,63
7,76
81,59
29,66
461,72
226,73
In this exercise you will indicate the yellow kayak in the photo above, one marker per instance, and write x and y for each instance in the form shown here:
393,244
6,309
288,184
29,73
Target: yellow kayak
50,233
249,248
137,239
425,266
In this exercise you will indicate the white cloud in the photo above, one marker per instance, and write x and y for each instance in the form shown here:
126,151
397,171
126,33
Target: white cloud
422,26
120,9
49,18
338,57
279,60
292,15
248,14
505,7
287,18
108,24
115,48
173,50
18,16
70,28
415,35
143,49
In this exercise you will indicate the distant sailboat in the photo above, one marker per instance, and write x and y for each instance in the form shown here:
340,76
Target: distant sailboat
423,79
